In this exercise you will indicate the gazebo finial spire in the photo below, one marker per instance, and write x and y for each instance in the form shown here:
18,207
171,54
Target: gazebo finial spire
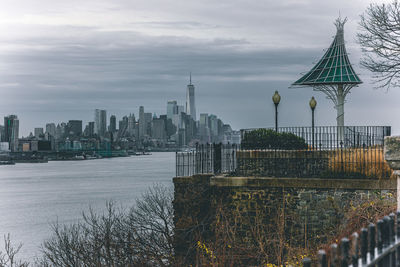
339,22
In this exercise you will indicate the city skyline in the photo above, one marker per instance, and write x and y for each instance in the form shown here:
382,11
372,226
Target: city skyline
145,55
176,128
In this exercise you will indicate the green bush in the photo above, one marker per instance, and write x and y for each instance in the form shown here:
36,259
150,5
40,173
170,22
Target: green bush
269,139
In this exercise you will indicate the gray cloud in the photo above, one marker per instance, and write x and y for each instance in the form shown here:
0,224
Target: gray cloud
239,54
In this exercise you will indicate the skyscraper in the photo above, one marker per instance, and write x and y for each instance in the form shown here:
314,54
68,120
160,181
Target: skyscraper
171,109
38,132
89,129
148,117
204,129
113,124
131,124
11,130
100,121
74,127
51,129
190,100
142,123
158,129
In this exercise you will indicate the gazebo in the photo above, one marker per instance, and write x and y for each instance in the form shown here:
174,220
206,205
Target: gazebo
333,75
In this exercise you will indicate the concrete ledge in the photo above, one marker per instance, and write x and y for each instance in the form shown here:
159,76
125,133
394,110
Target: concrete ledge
362,184
199,178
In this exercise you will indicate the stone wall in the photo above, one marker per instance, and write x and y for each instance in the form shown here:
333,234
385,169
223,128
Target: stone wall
302,211
282,163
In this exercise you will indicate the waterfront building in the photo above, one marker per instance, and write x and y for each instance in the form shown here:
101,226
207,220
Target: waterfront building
76,145
11,131
100,121
190,100
113,124
4,146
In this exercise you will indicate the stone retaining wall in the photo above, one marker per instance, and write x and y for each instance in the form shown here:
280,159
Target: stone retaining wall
312,208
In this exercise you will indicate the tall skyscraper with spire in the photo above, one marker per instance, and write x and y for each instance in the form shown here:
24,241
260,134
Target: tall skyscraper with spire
190,100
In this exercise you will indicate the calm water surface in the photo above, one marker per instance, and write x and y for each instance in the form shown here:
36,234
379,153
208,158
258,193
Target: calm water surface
33,196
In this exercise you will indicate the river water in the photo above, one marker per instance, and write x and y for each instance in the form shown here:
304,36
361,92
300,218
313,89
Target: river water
35,195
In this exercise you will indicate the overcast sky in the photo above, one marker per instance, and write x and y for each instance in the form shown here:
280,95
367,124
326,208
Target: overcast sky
60,60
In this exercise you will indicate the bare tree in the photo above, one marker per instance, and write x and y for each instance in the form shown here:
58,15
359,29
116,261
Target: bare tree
141,236
380,42
8,257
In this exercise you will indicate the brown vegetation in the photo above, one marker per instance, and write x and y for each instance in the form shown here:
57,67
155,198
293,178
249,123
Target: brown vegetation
367,162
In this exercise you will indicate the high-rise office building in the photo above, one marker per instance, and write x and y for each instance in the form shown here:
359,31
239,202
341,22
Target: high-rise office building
74,127
100,121
131,124
113,124
190,100
89,129
51,129
148,117
204,129
171,109
123,127
1,133
142,123
11,131
213,124
158,129
38,132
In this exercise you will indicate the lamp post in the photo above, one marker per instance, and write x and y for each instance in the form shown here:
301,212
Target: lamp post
276,98
313,104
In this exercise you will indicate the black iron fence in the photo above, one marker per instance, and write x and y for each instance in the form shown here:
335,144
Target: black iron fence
377,245
331,137
207,158
349,152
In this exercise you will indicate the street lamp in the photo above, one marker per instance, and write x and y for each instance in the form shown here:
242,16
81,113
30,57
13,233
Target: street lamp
276,98
313,104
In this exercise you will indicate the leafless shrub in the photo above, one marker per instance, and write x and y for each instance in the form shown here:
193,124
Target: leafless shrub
141,236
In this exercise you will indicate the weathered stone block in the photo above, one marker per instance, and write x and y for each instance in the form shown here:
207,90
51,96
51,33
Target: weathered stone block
392,151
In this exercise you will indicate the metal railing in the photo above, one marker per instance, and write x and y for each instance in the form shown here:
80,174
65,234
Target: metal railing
361,156
329,137
207,159
377,245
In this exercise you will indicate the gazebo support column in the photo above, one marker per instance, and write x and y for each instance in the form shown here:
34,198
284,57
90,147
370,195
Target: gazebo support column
340,113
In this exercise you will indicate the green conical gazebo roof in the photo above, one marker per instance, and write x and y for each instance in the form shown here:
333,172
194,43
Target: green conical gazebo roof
334,67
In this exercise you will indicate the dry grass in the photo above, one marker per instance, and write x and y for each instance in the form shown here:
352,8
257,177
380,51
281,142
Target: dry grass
368,162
